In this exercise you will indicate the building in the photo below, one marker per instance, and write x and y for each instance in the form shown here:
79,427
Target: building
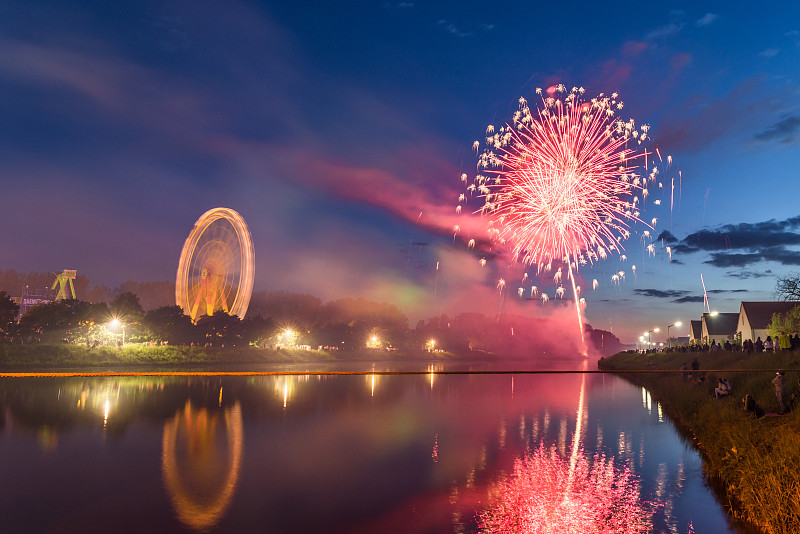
695,332
31,298
755,317
719,327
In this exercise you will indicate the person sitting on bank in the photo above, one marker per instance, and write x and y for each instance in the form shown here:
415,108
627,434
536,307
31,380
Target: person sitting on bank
723,388
794,399
751,406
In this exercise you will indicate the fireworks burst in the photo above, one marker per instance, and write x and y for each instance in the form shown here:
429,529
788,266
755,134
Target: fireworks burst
561,181
565,181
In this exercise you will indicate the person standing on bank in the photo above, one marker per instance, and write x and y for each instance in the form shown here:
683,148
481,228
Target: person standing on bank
784,342
780,385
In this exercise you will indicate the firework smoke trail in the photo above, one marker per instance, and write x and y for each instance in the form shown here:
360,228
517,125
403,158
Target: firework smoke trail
561,183
411,242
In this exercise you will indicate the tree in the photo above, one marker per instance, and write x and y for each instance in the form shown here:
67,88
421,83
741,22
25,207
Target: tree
92,324
55,321
787,287
126,308
339,335
170,324
8,314
257,330
785,322
221,329
126,305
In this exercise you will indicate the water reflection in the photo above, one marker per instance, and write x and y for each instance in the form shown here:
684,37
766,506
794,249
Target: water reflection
548,493
200,476
355,454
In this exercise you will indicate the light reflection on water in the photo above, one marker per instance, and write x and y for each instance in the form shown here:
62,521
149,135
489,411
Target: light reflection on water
311,453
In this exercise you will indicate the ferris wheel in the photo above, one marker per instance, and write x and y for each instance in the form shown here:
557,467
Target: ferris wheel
215,271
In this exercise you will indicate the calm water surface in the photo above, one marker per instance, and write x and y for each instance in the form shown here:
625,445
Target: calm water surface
340,454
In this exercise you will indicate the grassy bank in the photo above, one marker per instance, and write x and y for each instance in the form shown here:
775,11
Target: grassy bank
755,461
21,357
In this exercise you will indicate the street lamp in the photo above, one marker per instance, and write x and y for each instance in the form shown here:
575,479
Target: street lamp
116,323
677,323
650,332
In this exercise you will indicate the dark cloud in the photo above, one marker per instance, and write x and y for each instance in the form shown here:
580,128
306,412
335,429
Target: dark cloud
783,131
749,236
659,293
743,244
780,255
667,237
689,299
745,275
677,262
684,296
685,249
725,259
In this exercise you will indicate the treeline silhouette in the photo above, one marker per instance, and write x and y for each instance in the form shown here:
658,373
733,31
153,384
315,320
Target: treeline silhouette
279,318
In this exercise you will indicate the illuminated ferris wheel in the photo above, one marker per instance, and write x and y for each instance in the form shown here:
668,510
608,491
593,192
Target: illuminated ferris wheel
215,271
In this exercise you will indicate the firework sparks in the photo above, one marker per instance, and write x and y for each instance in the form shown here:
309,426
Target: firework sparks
565,181
563,177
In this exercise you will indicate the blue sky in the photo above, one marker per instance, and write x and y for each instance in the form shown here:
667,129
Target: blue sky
331,128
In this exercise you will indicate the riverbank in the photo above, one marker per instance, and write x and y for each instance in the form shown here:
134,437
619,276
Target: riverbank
46,356
756,461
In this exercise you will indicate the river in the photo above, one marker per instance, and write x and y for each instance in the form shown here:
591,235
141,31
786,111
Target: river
425,452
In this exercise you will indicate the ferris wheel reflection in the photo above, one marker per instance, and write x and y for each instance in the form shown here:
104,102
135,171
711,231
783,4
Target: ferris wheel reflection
200,462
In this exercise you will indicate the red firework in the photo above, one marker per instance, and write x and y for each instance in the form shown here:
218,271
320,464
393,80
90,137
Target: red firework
562,184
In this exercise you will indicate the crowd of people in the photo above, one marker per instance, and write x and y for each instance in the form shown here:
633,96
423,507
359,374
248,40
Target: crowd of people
724,388
783,341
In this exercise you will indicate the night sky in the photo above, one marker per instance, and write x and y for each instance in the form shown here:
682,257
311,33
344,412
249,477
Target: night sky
339,131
